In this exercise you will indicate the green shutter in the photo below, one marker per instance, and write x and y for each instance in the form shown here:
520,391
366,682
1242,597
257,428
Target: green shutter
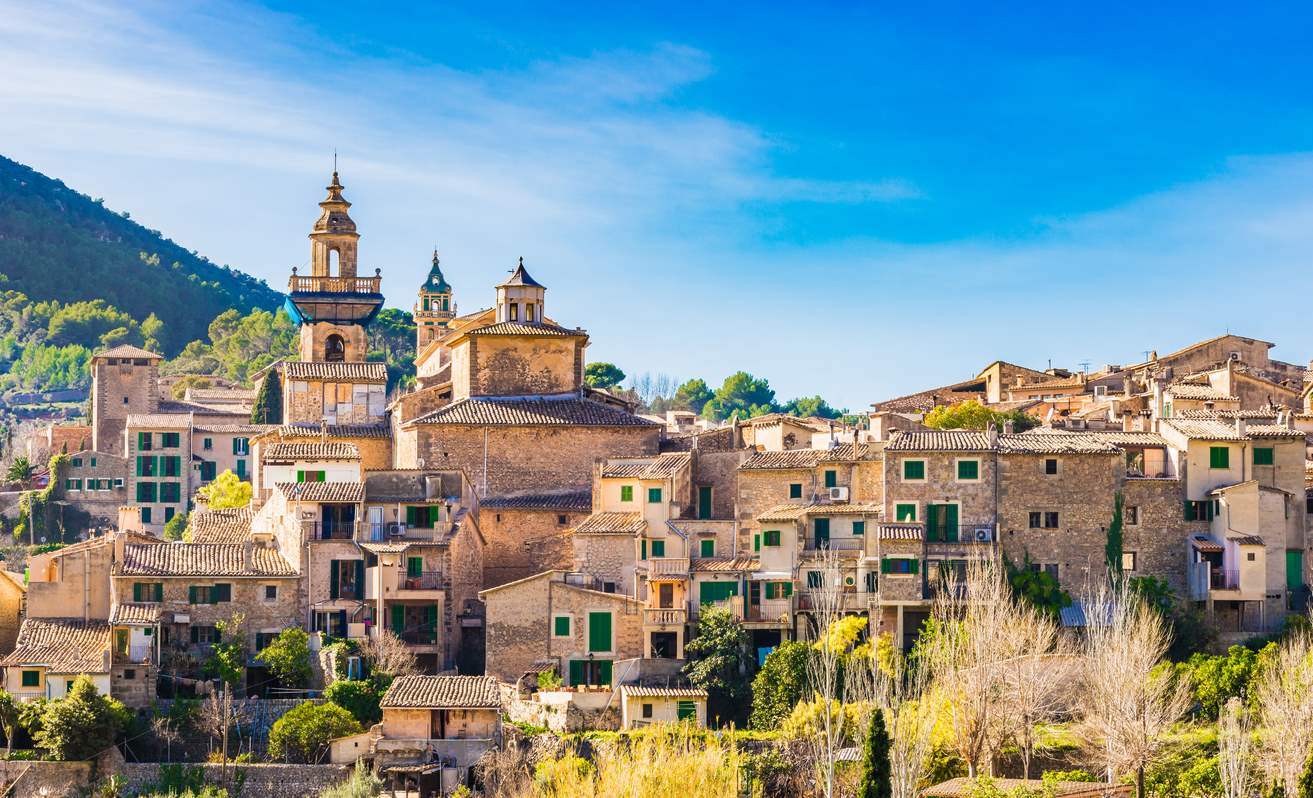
237,447
905,512
642,549
859,527
821,526
414,566
411,518
831,478
1263,455
431,620
950,522
300,476
576,672
191,594
561,626
605,671
795,490
360,578
1219,457
31,678
658,548
159,591
320,476
756,541
704,502
886,566
968,469
398,619
653,495
913,469
599,631
334,576
788,589
913,566
220,593
143,441
136,591
1294,569
708,548
686,710
626,493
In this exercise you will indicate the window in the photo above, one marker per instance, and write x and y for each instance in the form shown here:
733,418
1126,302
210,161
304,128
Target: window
779,590
515,312
859,527
913,470
241,446
899,565
425,517
905,512
561,626
335,348
831,478
93,462
1128,561
658,548
129,673
1132,514
1050,520
169,512
1219,457
171,492
72,484
1249,557
271,592
968,470
143,438
528,312
145,515
653,495
207,444
209,594
204,635
147,591
1051,465
599,631
626,493
647,710
795,490
772,537
208,471
77,461
686,710
172,466
147,466
118,482
813,580
756,541
561,520
1036,519
1263,455
170,440
241,469
31,678
707,548
313,476
146,492
1199,510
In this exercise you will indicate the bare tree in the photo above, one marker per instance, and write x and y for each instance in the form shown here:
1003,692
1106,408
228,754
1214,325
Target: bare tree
824,663
1284,693
217,716
1129,702
1233,756
390,655
166,732
909,712
1036,680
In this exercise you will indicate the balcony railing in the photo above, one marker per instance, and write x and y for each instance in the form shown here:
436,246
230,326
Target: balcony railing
834,543
334,285
428,580
663,616
422,636
667,566
1223,579
329,530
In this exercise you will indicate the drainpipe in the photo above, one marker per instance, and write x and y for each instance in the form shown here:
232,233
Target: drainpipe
485,463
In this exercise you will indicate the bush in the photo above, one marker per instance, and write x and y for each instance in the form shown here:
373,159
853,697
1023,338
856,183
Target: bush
778,686
288,657
358,697
360,784
303,734
81,725
549,680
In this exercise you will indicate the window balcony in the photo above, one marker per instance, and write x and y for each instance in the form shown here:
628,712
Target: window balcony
329,530
667,567
664,616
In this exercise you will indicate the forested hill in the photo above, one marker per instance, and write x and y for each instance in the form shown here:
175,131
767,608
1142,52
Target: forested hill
57,244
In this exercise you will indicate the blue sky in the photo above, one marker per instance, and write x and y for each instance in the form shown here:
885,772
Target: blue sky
855,201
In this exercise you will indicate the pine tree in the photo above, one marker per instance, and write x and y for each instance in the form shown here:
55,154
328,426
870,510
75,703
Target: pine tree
876,773
268,407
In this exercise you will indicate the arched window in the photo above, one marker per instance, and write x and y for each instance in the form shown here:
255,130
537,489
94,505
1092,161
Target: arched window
334,264
334,348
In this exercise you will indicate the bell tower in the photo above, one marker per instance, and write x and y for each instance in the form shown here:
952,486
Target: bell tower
435,309
520,298
334,304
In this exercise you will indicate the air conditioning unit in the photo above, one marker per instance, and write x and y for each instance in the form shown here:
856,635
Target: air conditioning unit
838,494
983,534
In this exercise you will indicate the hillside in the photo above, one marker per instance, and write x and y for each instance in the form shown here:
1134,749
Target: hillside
58,244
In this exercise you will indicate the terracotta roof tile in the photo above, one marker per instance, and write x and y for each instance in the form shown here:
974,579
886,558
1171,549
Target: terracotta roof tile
953,440
1131,439
1229,415
639,691
900,531
525,328
233,429
1183,390
1060,443
663,467
134,614
1249,540
227,525
1272,431
432,692
726,564
350,492
307,430
792,512
611,523
211,394
62,645
305,452
794,459
127,350
169,420
203,559
965,788
336,372
488,411
1204,429
577,501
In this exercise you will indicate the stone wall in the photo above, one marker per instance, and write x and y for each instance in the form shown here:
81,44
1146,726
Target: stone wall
720,471
522,542
45,779
118,390
271,781
609,557
760,490
1159,536
522,366
505,459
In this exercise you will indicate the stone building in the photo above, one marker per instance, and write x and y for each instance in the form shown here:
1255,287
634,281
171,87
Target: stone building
434,309
158,450
530,532
124,381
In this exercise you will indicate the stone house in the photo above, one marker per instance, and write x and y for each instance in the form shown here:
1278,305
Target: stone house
159,478
52,652
124,381
135,651
644,706
95,483
217,448
56,439
304,461
529,532
13,596
372,441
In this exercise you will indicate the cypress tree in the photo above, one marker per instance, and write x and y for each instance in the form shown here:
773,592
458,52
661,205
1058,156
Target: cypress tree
268,408
1113,549
876,776
1304,787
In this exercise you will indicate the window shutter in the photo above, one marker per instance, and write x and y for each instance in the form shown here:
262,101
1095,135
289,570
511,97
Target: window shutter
950,522
191,599
195,634
562,626
414,566
913,566
658,548
334,578
788,589
360,578
886,566
300,476
708,548
604,671
398,619
599,631
686,710
136,591
159,591
220,593
411,519
576,672
319,476
431,618
756,541
341,621
642,547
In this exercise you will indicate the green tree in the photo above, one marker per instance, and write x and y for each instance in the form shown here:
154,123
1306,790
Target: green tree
176,527
1304,787
1112,553
9,719
357,696
603,375
1216,679
82,724
971,414
741,395
303,733
288,657
717,660
1037,587
268,407
692,395
811,406
877,775
228,657
227,490
779,685
152,333
87,323
20,470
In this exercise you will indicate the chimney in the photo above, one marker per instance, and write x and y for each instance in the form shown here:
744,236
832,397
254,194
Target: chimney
991,435
1008,426
1153,356
323,430
1128,424
1239,426
1126,385
130,518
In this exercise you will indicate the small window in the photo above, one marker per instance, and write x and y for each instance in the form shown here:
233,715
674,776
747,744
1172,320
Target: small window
813,580
1128,561
626,493
561,626
1263,455
1051,465
859,527
913,470
831,478
77,461
1132,514
271,592
708,548
899,565
795,490
129,674
658,548
779,590
1249,557
653,495
207,444
647,710
756,541
1036,520
515,312
31,678
772,537
1050,520
905,512
968,470
1219,457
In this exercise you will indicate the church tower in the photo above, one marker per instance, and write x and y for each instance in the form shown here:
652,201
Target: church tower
434,310
333,305
520,298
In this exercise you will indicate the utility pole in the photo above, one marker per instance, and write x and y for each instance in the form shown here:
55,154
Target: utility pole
225,698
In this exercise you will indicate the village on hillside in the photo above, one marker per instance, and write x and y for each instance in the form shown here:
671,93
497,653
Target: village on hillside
436,576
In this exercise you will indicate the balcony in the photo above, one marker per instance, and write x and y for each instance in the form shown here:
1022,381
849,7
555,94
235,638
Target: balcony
329,530
664,616
846,543
667,567
847,602
426,585
1223,579
334,285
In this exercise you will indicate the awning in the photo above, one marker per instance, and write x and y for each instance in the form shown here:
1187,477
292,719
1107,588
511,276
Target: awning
770,576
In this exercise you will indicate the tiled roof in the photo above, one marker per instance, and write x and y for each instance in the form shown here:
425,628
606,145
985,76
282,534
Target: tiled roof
639,691
900,531
306,452
488,411
1206,544
726,564
351,492
1063,382
308,430
226,525
1125,439
196,408
235,394
233,429
1226,414
1204,429
925,401
127,350
848,452
611,523
170,420
1029,443
963,787
953,440
203,559
525,328
62,645
336,372
134,614
385,548
1249,540
1183,390
781,461
663,467
433,692
792,512
1272,431
577,501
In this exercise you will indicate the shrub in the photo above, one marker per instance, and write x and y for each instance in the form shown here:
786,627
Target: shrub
288,657
303,734
778,686
360,784
549,680
358,697
81,725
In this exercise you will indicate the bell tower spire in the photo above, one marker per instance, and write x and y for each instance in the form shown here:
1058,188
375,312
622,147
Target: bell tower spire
333,238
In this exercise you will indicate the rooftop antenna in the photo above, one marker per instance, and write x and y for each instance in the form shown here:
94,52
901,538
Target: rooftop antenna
335,159
1085,365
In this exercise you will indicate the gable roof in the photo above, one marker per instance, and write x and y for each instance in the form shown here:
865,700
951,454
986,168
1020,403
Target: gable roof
535,328
663,466
532,412
225,525
127,350
573,500
169,420
305,452
949,440
1185,390
129,613
611,523
792,512
356,372
203,559
1204,429
62,645
347,492
433,692
312,430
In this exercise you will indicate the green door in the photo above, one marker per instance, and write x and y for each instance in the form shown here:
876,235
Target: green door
577,672
398,619
941,523
821,526
599,631
431,622
704,501
604,671
1294,569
